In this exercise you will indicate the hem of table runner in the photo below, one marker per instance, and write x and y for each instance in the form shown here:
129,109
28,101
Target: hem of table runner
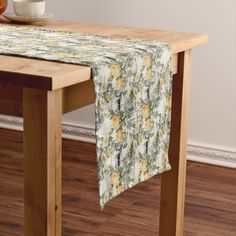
168,168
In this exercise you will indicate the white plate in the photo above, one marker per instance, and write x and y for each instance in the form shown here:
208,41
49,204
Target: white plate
21,19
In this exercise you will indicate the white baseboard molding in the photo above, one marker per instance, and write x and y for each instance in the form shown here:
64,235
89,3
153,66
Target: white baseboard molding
203,153
69,131
208,154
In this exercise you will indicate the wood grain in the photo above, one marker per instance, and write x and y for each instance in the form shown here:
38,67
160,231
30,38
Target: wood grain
173,182
44,74
11,99
53,75
77,96
210,197
42,163
41,74
74,96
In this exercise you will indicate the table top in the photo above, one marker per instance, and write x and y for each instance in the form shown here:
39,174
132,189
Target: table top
54,75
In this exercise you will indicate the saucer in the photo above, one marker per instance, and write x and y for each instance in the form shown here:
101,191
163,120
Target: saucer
21,19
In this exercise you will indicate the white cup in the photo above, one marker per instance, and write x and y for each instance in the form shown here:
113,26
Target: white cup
29,8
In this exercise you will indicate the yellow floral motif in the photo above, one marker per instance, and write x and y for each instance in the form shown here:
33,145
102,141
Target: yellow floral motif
169,100
119,136
146,176
106,141
115,178
110,152
120,84
166,154
148,124
162,81
119,189
143,166
147,60
91,45
149,73
62,54
145,110
104,88
103,101
110,96
104,158
116,121
115,70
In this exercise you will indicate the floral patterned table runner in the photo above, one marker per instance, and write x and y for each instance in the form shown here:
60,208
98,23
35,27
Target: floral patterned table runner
133,87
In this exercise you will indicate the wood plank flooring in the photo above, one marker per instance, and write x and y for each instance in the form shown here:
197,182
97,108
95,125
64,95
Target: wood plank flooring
210,199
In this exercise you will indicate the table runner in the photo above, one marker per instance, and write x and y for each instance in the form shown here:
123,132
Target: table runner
133,87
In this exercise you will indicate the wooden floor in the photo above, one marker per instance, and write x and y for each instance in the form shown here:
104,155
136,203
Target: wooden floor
210,200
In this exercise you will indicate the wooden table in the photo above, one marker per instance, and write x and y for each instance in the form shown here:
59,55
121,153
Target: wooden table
41,91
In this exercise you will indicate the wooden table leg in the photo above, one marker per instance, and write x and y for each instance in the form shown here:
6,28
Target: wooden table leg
173,181
42,162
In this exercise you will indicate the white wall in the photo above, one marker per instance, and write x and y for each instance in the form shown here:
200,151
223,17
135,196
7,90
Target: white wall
213,90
